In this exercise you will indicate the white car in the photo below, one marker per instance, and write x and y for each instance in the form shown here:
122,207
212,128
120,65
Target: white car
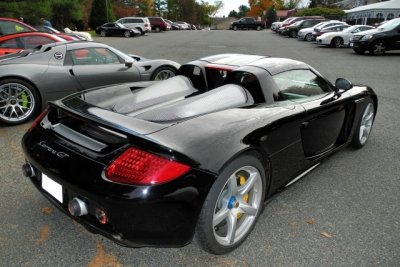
307,33
275,25
85,35
338,39
141,24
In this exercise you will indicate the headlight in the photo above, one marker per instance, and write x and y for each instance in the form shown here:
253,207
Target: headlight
366,37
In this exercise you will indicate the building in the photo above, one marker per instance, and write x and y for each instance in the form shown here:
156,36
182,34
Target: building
374,13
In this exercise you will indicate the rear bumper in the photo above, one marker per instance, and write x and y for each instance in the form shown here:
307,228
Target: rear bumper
163,215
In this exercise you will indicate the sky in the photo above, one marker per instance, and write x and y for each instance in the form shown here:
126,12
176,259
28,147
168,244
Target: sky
230,5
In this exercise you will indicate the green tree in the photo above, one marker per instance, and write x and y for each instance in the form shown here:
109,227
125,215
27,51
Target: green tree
66,13
233,14
271,16
174,9
243,11
101,13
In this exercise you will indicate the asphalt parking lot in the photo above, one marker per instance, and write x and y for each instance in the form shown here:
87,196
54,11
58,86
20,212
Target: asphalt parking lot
344,213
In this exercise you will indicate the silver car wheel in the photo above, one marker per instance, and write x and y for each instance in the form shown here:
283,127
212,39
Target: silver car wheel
378,48
366,123
164,74
103,33
17,102
127,34
309,37
237,206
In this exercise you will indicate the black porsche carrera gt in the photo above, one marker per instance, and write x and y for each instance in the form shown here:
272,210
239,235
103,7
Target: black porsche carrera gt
159,164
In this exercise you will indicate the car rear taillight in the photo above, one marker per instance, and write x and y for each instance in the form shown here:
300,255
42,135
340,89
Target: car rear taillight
135,166
146,25
38,119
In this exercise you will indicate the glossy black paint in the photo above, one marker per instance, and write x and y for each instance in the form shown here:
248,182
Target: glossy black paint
289,137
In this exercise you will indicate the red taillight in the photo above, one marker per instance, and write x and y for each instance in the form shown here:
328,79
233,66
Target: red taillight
38,119
135,166
146,25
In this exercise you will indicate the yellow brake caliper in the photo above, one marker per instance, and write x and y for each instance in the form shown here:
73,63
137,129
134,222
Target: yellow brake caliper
242,181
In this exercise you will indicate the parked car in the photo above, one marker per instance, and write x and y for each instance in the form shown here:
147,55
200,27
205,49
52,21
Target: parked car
294,28
28,80
158,24
116,29
377,41
306,34
66,36
141,24
9,26
83,35
184,25
336,28
341,38
292,20
247,23
121,159
275,25
174,26
16,42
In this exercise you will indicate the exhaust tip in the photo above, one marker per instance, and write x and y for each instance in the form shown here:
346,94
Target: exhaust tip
77,207
27,170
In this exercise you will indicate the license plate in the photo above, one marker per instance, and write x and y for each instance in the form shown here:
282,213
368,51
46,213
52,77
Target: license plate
52,187
351,44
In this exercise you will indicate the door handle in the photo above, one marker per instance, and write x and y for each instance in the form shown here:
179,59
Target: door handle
71,72
304,124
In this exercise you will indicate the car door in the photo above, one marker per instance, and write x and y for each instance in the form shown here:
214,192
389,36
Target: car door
394,38
322,123
98,66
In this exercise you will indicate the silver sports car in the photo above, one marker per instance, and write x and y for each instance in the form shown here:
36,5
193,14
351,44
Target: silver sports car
29,79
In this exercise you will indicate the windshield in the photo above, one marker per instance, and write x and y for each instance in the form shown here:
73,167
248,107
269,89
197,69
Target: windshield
350,29
120,25
390,25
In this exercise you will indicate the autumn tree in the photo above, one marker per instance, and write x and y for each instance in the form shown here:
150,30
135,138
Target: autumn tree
257,7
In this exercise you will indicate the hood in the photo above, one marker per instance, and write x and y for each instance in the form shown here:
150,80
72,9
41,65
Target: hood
370,32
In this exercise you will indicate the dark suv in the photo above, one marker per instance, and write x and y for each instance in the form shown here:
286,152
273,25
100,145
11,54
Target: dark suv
293,29
378,41
158,24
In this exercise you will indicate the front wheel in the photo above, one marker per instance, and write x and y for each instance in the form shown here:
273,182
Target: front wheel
258,28
293,34
163,73
19,101
364,125
127,34
103,33
337,42
235,28
309,37
232,206
378,48
157,29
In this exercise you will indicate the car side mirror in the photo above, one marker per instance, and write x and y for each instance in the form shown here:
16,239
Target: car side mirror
343,84
129,63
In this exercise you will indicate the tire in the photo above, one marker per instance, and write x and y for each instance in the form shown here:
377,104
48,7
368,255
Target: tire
19,101
141,32
258,28
364,125
103,33
235,28
378,48
359,51
163,73
157,29
308,37
293,34
337,42
232,206
127,34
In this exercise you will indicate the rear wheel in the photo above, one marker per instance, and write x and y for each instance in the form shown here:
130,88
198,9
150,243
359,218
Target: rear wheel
258,28
235,28
127,34
337,42
364,125
103,33
309,37
163,73
232,206
141,32
19,101
157,29
378,48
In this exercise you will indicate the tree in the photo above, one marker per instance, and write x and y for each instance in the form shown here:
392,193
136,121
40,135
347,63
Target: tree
66,13
313,3
234,14
101,13
257,7
243,10
271,16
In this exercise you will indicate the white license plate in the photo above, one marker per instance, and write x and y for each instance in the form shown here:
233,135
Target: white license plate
351,44
52,187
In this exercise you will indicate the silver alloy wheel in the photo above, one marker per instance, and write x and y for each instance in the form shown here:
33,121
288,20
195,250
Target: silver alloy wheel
337,42
308,37
164,74
366,123
127,34
103,33
16,102
379,48
237,206
235,28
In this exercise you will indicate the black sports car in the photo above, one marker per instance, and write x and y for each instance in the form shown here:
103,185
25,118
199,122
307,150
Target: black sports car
158,165
116,29
29,79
